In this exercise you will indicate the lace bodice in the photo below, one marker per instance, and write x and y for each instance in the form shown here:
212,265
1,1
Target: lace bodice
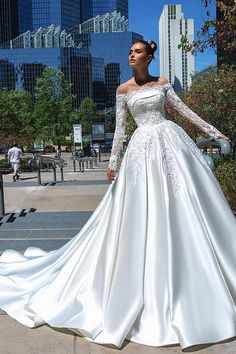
147,108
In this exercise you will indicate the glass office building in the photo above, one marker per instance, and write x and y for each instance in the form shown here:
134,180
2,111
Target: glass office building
24,13
92,52
113,48
26,56
8,20
15,18
19,16
94,69
19,68
63,13
100,7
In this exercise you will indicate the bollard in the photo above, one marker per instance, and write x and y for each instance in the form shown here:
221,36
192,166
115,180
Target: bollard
74,165
54,172
39,171
99,155
62,175
81,166
2,207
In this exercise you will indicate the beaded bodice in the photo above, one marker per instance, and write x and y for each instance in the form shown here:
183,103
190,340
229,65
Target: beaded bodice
146,105
147,108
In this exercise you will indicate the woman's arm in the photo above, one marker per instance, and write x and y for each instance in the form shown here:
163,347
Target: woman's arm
187,113
121,114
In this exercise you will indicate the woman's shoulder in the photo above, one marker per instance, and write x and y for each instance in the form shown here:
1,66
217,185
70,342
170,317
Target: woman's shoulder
161,80
123,88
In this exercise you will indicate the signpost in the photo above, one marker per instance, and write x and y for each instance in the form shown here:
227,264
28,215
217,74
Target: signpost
77,130
38,145
98,132
98,135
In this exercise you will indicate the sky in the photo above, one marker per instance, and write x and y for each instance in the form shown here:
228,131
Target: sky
144,18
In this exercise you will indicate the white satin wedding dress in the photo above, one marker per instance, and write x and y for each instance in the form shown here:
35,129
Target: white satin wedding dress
156,262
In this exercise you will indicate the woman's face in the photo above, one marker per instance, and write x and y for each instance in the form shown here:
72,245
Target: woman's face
138,56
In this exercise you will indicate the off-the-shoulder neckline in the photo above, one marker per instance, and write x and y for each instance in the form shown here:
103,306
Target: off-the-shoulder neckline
142,88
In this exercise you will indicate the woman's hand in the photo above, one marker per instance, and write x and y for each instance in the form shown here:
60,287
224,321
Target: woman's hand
222,136
110,175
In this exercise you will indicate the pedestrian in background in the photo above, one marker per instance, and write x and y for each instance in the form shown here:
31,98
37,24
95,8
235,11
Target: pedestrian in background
14,155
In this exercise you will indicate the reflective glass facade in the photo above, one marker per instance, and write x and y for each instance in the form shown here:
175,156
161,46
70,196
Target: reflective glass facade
86,10
64,13
24,15
113,48
94,63
8,20
100,7
19,68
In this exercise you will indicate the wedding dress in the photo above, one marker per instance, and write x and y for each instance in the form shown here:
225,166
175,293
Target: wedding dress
156,262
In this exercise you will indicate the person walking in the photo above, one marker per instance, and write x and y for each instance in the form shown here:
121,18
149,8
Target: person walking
14,155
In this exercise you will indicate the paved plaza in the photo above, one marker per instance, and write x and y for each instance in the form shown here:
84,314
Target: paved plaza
47,216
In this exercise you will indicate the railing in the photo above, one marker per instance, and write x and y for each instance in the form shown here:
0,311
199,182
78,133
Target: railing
90,162
51,162
223,145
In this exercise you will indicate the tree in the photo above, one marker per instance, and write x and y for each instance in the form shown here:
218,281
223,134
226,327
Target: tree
216,32
130,125
212,97
53,106
87,114
16,117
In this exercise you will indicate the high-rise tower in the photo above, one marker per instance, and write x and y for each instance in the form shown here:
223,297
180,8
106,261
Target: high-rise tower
176,65
100,7
8,20
63,13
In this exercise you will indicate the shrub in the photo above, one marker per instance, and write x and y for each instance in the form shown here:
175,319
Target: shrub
225,172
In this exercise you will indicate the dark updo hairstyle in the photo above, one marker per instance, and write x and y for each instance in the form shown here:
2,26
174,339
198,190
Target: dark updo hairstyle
150,45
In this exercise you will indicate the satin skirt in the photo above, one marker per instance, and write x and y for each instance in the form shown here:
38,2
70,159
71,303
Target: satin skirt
155,263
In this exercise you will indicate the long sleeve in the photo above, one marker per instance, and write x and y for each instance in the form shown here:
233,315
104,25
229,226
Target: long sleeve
121,114
187,113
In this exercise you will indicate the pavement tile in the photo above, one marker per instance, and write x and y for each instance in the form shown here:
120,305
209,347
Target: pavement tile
18,339
21,245
47,340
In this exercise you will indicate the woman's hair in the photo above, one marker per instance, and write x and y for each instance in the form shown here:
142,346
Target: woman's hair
150,45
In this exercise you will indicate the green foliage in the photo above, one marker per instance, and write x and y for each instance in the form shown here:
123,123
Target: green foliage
216,32
16,117
4,163
130,126
225,172
53,106
212,97
87,114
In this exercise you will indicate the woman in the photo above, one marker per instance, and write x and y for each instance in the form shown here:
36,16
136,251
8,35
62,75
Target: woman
155,264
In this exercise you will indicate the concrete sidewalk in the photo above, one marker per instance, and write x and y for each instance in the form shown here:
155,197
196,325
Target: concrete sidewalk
47,216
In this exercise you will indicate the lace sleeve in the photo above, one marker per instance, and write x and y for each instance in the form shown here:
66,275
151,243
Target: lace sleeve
121,113
186,112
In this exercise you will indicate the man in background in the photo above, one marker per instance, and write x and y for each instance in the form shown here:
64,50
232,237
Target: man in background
14,155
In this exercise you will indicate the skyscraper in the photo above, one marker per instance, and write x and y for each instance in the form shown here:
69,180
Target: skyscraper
100,7
8,20
63,13
19,16
176,65
24,13
64,34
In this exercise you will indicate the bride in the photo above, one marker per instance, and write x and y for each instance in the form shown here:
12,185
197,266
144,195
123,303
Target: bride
156,262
